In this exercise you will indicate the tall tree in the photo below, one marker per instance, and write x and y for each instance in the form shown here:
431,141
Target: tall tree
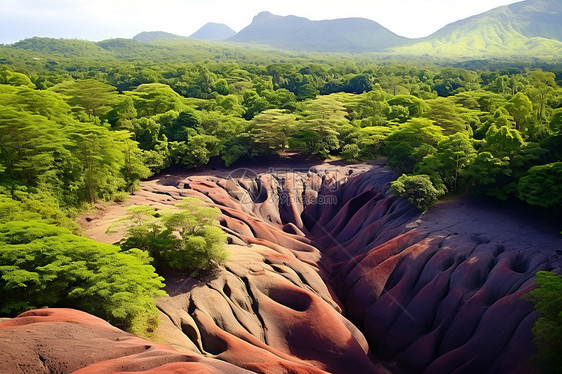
273,128
91,95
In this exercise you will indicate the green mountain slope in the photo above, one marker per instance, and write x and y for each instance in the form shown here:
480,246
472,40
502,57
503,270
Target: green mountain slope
532,28
354,35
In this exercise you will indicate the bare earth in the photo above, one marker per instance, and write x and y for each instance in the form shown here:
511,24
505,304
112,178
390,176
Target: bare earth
328,274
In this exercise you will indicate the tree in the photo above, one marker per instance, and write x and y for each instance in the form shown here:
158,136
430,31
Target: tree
273,128
521,108
417,189
547,329
15,79
44,103
454,154
487,174
254,104
32,146
542,186
541,85
110,161
46,266
154,98
133,168
199,149
556,121
410,143
91,95
358,84
184,238
350,152
503,141
318,136
126,113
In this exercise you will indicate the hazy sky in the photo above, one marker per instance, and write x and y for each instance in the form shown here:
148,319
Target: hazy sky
103,19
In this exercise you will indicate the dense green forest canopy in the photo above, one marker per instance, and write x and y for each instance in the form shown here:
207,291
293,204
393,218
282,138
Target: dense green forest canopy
82,122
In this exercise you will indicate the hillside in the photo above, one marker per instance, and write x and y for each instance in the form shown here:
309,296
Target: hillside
353,35
530,27
154,36
214,31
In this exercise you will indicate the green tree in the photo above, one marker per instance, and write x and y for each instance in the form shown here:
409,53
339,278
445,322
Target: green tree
417,189
318,137
410,143
91,95
556,121
454,154
351,152
46,266
486,173
44,103
126,113
199,149
184,238
541,86
542,186
154,98
521,108
273,128
32,146
547,330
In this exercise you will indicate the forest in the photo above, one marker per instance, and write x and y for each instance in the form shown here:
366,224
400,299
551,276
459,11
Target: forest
83,122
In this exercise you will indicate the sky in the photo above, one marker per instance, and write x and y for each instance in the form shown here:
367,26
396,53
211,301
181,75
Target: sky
97,20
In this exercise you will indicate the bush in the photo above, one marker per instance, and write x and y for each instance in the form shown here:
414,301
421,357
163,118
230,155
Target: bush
42,265
417,189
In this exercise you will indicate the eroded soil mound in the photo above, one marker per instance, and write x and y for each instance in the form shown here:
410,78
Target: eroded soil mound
330,273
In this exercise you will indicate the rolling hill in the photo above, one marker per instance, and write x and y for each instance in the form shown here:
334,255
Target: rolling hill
156,36
352,35
532,27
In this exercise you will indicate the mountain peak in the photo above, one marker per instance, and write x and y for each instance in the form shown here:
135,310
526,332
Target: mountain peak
263,15
151,36
214,31
354,35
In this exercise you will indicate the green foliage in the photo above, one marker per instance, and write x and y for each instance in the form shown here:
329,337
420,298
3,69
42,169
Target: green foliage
273,128
453,155
185,238
46,266
417,189
547,330
67,133
410,143
92,96
542,186
154,98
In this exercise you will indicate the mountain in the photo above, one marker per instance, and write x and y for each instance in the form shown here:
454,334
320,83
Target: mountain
214,31
532,27
353,35
153,36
